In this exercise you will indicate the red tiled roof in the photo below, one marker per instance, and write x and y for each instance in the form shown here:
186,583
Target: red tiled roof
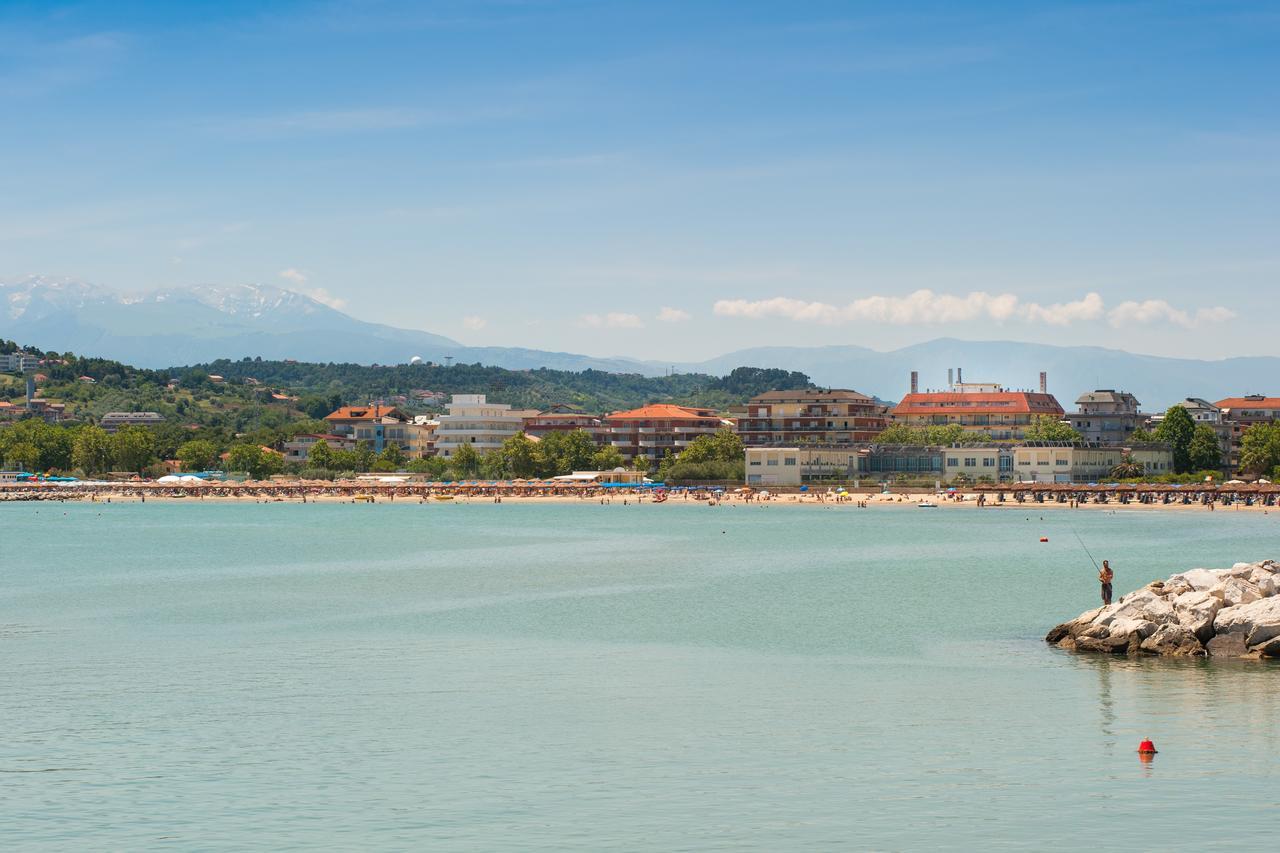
978,403
664,412
1246,403
363,413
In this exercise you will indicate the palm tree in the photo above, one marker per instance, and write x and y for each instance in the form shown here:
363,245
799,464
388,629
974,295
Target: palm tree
1127,469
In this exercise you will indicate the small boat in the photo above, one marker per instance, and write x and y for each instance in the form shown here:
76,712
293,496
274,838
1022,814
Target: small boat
443,497
926,505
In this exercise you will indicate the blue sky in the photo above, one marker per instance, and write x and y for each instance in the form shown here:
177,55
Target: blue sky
666,180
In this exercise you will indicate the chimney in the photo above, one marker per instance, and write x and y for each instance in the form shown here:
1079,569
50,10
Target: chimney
915,382
1044,382
951,377
959,375
31,391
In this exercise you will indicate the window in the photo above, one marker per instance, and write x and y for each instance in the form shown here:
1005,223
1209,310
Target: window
754,462
970,462
988,462
790,460
953,462
1061,463
773,463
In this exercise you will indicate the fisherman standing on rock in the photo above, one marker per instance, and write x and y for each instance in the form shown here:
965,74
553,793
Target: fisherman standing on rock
1105,576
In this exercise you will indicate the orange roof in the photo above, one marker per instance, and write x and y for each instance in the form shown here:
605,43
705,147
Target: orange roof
1249,403
664,412
978,403
363,413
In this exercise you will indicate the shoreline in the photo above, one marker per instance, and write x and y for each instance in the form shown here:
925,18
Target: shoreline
380,494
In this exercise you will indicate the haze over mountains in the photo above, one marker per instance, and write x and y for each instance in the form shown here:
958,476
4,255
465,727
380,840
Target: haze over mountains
198,324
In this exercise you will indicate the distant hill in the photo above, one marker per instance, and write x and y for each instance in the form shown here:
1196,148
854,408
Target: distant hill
1157,382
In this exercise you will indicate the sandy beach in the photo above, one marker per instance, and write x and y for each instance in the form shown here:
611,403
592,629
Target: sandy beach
352,492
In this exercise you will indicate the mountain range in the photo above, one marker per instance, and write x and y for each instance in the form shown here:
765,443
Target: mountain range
180,326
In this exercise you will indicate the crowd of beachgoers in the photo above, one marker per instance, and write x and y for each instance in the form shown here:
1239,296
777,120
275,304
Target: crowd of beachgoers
1015,496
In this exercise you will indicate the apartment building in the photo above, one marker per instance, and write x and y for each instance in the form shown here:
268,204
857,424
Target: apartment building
18,362
414,439
654,431
1106,416
564,418
790,418
299,447
472,419
1240,413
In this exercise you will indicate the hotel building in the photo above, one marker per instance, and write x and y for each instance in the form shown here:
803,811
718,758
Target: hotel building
1240,413
472,419
654,431
978,407
1106,416
790,418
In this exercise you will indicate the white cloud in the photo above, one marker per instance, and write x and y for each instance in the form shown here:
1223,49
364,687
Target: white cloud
612,320
297,280
474,323
1064,313
922,306
925,307
1159,311
673,315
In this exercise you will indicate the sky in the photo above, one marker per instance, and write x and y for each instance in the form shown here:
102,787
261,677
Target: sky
666,180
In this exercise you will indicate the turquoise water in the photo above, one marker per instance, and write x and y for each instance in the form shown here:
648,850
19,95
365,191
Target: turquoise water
536,677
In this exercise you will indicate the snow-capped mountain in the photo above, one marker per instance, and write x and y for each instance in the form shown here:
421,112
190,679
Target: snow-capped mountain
188,325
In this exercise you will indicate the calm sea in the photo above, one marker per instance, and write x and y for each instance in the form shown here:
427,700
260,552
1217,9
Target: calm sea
522,677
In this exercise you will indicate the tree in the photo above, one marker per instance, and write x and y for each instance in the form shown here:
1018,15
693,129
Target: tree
1049,428
465,461
1204,451
133,448
433,466
493,466
899,434
320,455
92,452
1260,448
521,456
565,451
22,456
1142,436
392,455
607,458
244,457
258,462
197,455
1128,469
1177,429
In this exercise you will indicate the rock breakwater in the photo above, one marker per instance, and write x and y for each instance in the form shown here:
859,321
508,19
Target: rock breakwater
1231,612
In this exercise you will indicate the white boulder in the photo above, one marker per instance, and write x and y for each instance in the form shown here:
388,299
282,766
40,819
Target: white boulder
1235,591
1258,621
1197,579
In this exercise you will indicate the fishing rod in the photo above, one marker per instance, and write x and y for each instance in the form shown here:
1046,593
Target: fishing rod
1085,547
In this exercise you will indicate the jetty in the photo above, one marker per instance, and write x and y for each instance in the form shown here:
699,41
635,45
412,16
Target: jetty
1231,612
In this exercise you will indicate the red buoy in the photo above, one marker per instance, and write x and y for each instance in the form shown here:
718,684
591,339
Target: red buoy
1044,538
1146,748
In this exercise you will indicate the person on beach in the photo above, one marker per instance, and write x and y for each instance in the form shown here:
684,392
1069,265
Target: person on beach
1105,576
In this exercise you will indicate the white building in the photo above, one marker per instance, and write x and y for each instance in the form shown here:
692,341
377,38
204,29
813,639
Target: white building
472,420
18,362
